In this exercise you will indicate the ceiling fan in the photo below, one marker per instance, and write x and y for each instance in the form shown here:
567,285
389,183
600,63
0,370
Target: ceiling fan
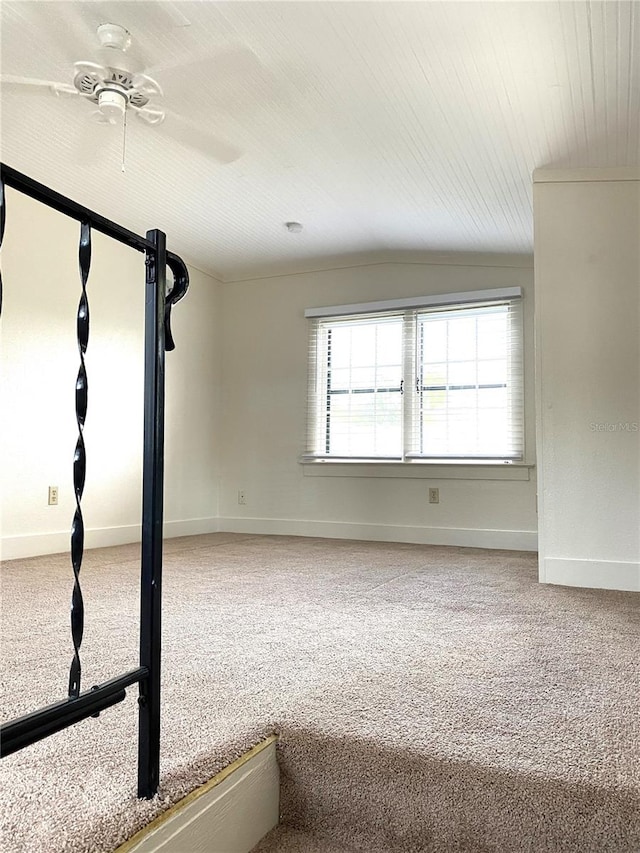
117,89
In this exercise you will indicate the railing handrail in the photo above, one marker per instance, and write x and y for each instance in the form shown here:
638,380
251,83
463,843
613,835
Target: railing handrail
23,731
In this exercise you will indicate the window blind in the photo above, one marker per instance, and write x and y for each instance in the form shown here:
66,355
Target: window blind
468,401
436,380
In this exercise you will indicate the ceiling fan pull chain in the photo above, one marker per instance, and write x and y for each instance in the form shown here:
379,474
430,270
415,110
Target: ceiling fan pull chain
124,137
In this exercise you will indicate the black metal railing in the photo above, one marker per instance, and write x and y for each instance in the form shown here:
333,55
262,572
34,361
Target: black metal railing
26,730
80,462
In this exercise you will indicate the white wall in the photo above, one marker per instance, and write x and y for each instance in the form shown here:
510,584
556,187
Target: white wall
39,361
587,274
264,400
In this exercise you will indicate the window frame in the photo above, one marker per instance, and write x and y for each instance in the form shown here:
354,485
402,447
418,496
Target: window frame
409,311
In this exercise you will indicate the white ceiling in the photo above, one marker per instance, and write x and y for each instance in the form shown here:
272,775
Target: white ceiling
389,129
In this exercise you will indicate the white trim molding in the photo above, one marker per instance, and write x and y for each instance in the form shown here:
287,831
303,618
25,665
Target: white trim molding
595,574
39,544
462,298
564,176
351,260
417,470
509,540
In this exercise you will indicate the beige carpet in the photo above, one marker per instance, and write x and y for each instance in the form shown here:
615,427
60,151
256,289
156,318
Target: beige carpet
428,698
287,840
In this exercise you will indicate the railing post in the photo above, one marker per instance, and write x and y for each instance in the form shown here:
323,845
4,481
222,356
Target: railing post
152,505
3,217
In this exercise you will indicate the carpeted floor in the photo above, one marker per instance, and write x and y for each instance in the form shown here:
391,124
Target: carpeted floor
287,840
427,698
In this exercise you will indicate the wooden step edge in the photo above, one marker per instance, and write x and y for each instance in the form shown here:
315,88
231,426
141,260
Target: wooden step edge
177,809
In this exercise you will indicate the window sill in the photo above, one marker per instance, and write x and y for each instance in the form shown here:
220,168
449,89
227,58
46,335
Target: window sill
419,470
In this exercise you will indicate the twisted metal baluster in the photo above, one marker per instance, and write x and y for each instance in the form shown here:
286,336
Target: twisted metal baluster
3,212
79,463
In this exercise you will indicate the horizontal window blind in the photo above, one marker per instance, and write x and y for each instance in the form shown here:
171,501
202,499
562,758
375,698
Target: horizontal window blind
438,380
468,401
356,387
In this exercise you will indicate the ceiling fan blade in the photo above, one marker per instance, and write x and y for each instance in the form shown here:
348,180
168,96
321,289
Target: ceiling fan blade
89,68
172,13
62,27
147,85
98,141
90,148
231,61
100,118
66,90
160,15
187,133
150,116
32,86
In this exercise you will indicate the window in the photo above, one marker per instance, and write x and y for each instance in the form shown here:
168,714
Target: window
438,378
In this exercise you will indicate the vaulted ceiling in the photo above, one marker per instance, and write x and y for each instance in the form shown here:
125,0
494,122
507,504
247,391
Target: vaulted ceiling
388,129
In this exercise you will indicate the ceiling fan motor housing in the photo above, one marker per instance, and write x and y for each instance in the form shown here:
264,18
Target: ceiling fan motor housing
92,84
112,103
112,89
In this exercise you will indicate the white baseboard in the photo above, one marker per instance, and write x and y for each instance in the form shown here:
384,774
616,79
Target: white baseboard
190,527
15,547
512,540
229,814
598,574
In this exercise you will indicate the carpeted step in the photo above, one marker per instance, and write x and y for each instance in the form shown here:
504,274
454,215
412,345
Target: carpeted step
362,796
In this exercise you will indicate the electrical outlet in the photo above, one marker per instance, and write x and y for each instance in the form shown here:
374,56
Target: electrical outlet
242,498
53,496
434,496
